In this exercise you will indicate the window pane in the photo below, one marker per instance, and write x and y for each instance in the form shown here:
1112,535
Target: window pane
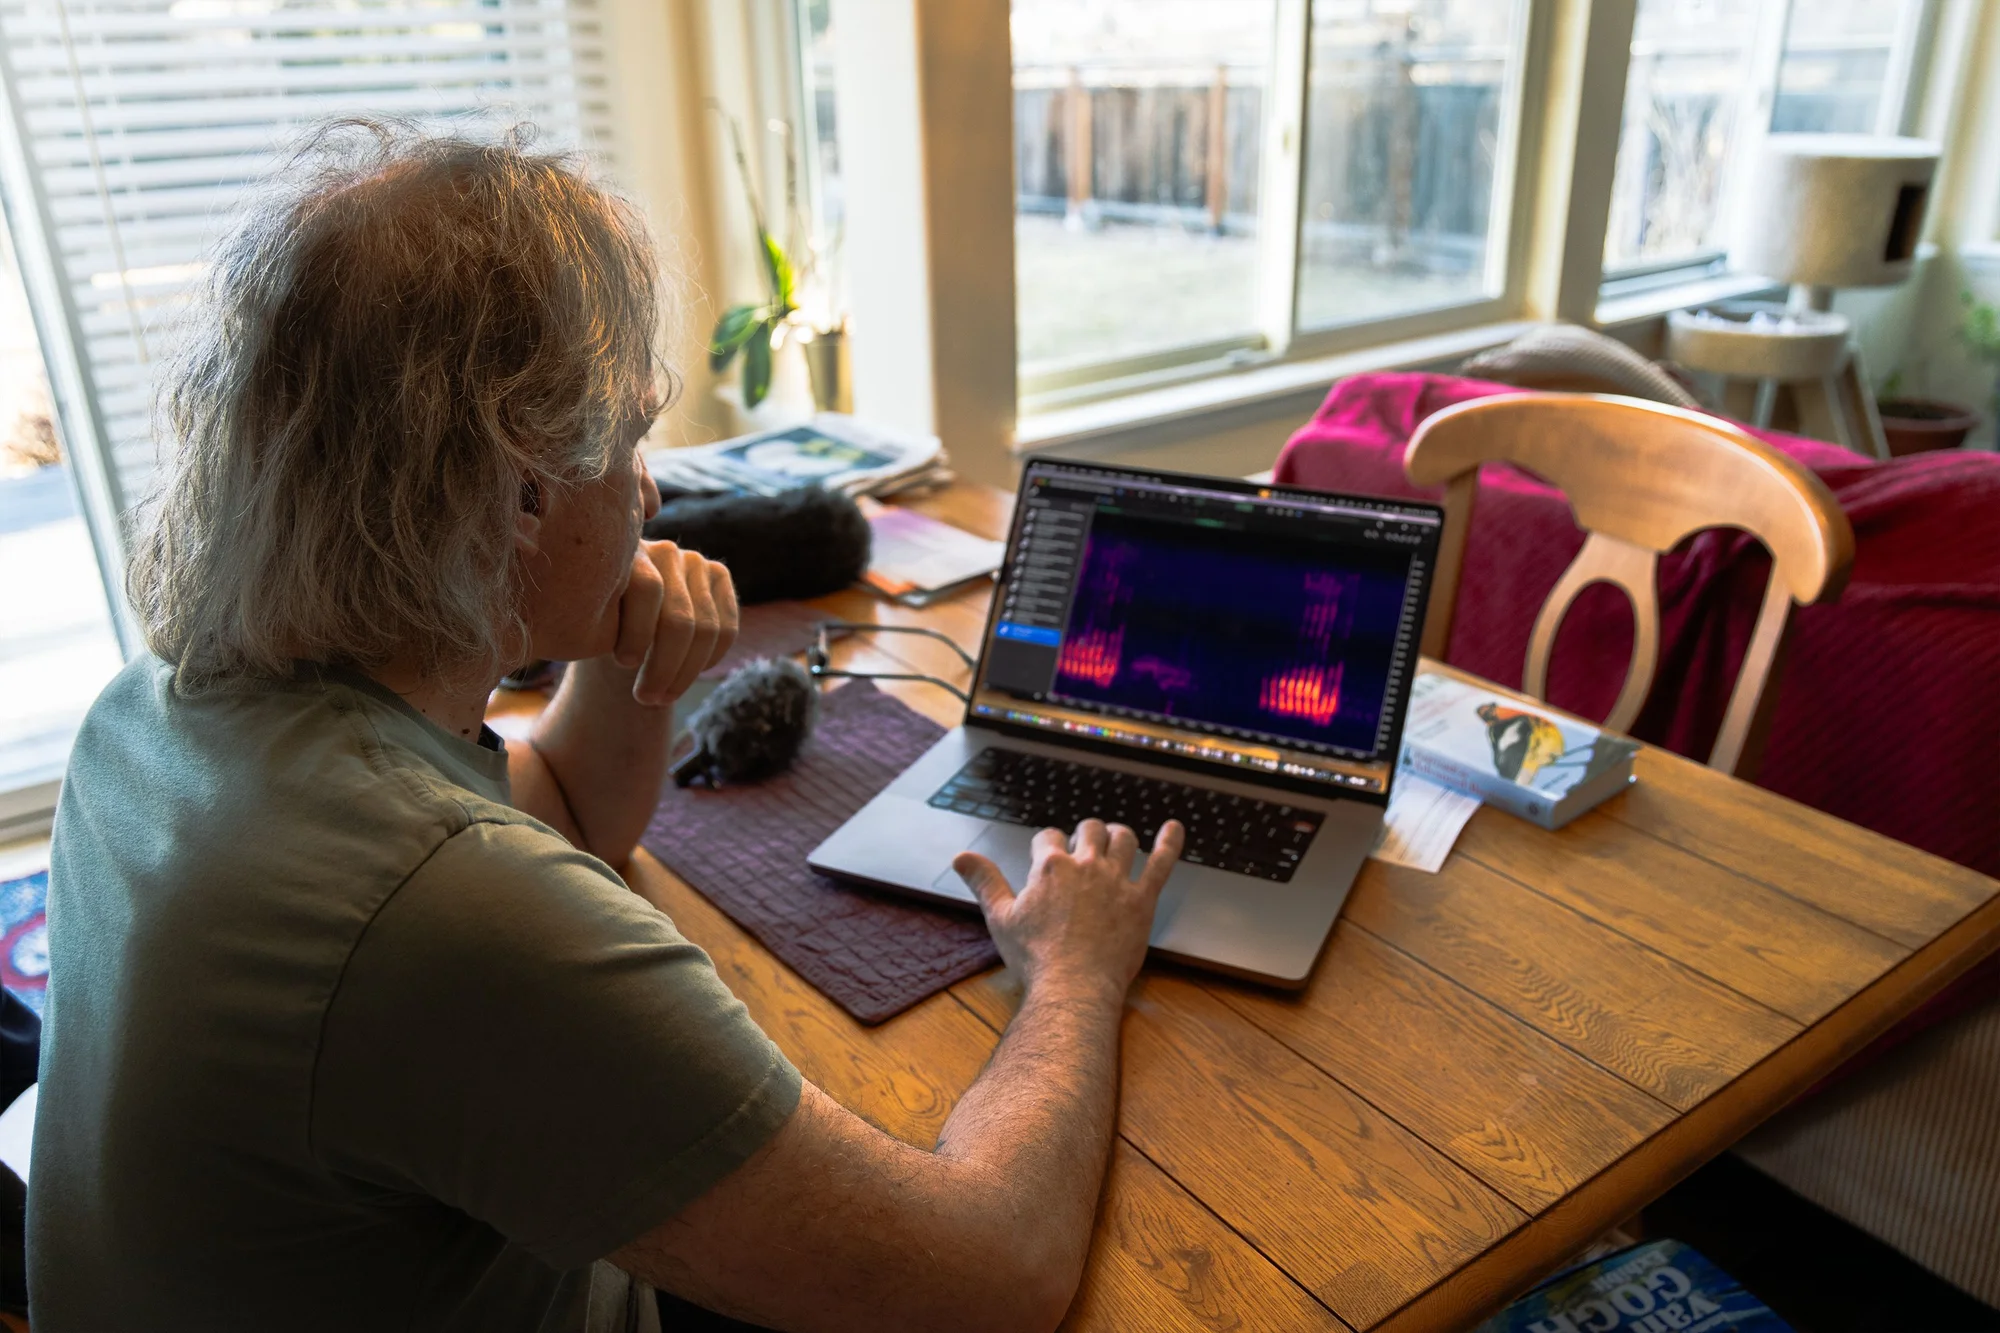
1138,131
823,295
1690,67
1836,62
145,124
1402,129
56,644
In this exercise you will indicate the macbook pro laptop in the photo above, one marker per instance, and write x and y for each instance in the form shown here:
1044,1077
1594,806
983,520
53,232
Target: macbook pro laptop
1233,655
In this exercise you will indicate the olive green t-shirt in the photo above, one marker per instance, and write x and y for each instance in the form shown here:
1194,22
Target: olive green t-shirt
338,1039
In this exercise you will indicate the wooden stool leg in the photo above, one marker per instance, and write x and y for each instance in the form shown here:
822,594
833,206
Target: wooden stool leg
1859,405
1739,398
1767,402
1821,413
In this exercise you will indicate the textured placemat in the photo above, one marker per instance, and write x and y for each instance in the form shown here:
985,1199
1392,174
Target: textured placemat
744,849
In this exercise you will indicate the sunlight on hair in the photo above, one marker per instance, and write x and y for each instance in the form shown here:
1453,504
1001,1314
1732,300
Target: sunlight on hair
402,334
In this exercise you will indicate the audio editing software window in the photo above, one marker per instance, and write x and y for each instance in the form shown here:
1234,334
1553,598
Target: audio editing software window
1258,627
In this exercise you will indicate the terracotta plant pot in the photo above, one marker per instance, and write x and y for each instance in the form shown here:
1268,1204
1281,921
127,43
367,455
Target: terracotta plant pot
1914,426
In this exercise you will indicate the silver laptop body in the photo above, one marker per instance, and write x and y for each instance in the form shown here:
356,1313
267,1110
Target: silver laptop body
1232,654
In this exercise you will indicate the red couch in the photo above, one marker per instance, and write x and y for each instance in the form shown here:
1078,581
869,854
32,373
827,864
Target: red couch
1888,712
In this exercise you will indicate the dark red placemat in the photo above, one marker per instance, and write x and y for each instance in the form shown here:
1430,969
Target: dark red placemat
744,849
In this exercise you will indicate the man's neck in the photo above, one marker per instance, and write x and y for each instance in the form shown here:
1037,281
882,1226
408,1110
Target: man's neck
458,708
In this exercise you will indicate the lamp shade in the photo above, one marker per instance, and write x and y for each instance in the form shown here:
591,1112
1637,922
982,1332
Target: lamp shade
1833,210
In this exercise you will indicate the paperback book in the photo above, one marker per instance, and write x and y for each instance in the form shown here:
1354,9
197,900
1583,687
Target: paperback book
1546,769
1662,1286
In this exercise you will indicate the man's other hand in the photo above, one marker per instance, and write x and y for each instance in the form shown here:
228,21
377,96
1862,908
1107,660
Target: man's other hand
677,618
1082,919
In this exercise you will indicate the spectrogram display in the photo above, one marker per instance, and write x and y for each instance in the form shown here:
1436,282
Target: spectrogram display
1286,636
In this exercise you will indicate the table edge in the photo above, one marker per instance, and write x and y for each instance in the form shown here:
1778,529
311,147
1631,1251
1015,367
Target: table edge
1562,1230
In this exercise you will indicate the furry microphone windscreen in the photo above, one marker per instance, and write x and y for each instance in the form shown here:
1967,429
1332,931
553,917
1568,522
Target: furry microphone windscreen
753,725
801,543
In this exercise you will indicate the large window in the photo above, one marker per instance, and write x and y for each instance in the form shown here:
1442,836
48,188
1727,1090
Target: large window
1198,180
1403,137
1710,77
56,643
819,158
129,133
1138,134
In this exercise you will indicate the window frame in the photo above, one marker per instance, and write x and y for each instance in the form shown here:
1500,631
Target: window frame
1903,87
44,235
1281,192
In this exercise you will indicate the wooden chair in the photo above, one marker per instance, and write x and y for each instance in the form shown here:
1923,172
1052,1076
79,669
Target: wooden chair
1640,477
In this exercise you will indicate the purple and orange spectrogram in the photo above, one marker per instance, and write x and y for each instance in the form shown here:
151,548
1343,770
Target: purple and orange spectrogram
1262,636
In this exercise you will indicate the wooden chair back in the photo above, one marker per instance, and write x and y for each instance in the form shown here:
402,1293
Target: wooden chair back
1640,477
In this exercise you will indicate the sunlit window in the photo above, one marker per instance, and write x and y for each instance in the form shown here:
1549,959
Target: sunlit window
1708,77
1691,61
1138,136
56,643
1403,132
1836,65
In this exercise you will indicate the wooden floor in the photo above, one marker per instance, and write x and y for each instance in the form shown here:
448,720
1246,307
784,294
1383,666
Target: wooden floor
1492,1065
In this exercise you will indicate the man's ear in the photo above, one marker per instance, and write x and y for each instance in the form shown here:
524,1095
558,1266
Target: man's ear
528,521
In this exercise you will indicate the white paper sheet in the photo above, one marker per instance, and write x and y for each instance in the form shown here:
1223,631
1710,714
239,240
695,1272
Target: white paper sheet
914,553
1423,823
17,1131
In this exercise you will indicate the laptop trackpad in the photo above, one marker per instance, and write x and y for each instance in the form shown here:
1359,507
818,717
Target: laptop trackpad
1009,846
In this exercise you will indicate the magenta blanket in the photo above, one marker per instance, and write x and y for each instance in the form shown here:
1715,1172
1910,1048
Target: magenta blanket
1888,712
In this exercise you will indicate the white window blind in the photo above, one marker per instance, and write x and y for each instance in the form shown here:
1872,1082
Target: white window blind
132,129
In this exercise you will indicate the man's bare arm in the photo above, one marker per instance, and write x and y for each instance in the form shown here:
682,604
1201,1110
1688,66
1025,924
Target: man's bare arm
593,767
836,1225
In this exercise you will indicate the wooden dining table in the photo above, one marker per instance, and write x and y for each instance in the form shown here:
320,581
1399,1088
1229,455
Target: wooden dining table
1490,1067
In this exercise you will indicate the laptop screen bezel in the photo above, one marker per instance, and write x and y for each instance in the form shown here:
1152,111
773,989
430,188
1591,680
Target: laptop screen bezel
1230,486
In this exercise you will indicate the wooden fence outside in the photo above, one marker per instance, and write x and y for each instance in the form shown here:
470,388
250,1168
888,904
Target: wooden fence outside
1399,152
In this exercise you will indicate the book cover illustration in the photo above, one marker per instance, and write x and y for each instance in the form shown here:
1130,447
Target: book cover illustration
803,456
1527,745
832,450
1662,1286
1508,740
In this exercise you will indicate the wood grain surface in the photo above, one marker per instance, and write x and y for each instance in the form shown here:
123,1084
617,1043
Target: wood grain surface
1775,949
1517,1109
1663,1028
1491,1066
1356,1207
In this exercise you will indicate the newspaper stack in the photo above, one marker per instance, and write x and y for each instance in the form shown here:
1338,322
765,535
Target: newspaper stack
833,450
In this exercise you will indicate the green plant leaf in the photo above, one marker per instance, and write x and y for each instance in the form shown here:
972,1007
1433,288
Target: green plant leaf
1981,329
731,332
757,362
779,269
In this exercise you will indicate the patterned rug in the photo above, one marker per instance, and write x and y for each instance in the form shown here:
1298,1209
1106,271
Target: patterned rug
24,937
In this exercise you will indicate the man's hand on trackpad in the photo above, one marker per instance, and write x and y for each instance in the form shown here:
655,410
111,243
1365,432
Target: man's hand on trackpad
1082,919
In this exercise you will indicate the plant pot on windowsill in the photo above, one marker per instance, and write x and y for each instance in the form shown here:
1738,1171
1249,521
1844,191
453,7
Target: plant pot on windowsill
1916,426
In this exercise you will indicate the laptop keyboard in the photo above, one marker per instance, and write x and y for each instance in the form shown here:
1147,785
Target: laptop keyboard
1236,833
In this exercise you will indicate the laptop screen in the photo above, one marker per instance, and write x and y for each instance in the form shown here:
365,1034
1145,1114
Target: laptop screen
1211,622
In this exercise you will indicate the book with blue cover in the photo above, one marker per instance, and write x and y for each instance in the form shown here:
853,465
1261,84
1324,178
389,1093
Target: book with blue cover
1661,1286
1544,768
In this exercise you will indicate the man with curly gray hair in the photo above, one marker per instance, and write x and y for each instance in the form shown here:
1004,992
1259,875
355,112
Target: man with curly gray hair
351,1022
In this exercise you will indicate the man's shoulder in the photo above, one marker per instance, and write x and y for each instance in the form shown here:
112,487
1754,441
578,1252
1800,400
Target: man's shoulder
251,792
507,880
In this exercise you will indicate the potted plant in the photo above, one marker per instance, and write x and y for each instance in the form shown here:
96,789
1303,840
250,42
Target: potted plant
759,330
1919,425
